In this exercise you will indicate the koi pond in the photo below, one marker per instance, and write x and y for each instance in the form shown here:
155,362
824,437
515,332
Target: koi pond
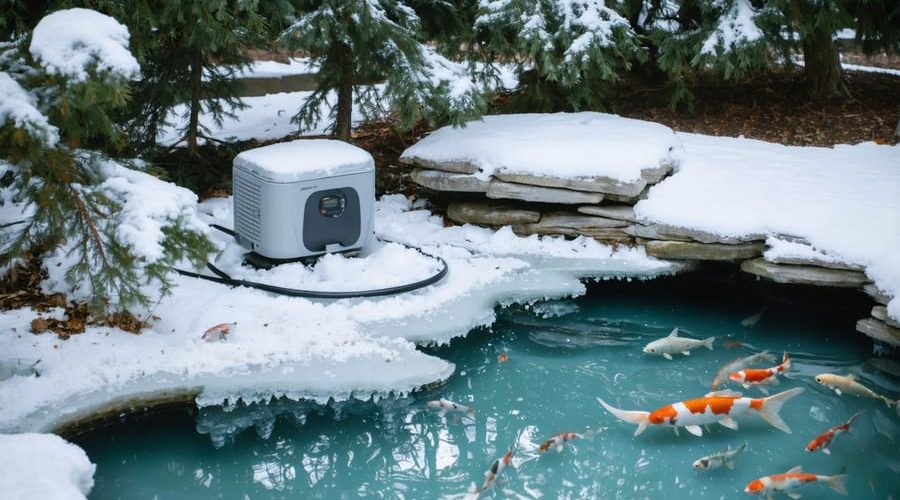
538,372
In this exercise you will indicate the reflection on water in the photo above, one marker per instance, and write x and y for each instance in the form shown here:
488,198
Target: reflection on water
562,356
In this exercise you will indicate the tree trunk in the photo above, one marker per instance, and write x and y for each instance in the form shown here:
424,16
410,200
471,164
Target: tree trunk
196,89
345,96
822,66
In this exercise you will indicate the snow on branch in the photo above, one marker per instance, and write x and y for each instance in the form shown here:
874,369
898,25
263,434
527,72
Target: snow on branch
20,107
70,42
736,29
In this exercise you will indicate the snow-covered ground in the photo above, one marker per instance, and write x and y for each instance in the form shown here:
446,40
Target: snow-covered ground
43,467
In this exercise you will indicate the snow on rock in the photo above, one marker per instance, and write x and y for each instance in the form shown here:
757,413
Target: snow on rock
20,108
43,467
736,29
584,144
845,201
275,69
72,41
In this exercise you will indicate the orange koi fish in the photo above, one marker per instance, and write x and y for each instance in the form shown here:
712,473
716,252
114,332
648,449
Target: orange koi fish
218,332
759,376
558,440
716,407
823,441
791,480
740,364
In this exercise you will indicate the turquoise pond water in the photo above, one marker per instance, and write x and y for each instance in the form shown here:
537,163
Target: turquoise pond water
562,356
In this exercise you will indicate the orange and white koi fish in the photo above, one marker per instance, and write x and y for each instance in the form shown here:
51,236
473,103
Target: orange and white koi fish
716,407
446,406
740,364
760,376
667,346
823,441
791,480
219,332
497,467
558,440
849,385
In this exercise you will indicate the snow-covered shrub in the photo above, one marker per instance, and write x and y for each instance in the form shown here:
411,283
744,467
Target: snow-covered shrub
107,231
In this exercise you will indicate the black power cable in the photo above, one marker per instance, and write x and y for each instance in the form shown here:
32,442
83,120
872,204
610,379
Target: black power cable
223,278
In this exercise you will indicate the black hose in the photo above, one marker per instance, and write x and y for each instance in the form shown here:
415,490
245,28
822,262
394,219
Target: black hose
223,278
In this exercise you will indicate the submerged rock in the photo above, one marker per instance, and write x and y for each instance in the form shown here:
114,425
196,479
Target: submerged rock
804,275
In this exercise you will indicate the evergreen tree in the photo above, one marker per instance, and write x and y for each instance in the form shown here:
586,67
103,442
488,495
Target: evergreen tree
360,43
566,51
189,51
81,208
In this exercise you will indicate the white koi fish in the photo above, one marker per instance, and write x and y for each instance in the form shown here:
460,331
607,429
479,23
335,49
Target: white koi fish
219,332
791,480
849,385
716,407
740,364
672,344
446,406
759,376
719,459
558,440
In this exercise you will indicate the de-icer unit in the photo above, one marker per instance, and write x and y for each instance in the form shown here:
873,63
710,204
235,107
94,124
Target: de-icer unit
304,198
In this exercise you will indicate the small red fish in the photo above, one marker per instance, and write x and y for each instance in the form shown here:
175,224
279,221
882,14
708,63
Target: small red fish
218,332
732,344
823,441
502,358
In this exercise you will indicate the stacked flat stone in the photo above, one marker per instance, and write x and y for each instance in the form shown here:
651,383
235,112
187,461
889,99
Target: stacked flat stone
542,202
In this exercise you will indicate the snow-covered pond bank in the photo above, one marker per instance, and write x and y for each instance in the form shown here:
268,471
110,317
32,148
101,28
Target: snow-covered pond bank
297,347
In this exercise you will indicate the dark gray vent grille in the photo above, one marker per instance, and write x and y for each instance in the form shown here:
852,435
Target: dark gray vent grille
246,207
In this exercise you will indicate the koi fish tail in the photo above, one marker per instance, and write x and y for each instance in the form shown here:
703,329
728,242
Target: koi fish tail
771,408
853,417
640,418
740,449
786,362
838,483
708,343
890,402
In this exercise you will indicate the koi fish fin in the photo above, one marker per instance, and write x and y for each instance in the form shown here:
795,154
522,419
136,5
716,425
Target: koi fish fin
851,376
730,423
745,385
795,496
766,356
740,449
773,380
853,417
763,390
730,464
837,391
786,361
667,356
771,408
826,451
686,353
694,429
708,343
796,470
641,418
889,402
674,332
676,431
442,413
838,483
559,448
